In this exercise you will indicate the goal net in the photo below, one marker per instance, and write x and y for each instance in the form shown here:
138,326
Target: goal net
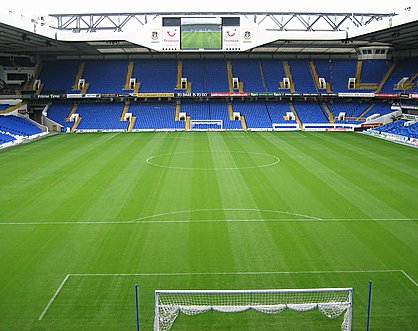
206,124
331,302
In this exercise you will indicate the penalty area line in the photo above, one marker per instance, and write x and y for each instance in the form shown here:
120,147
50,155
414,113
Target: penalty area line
174,274
53,298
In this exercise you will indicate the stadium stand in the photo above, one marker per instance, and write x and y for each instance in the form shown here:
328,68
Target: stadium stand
59,75
248,72
256,114
219,111
58,112
273,73
277,112
379,108
194,71
155,75
4,106
310,112
105,76
17,126
404,69
302,77
373,71
104,116
155,116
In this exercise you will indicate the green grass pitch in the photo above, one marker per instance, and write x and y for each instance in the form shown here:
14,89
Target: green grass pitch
84,217
201,40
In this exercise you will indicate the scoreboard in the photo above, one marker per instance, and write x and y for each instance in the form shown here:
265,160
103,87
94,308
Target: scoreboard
199,33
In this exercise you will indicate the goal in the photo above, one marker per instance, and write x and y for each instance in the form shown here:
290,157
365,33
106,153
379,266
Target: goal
331,302
206,124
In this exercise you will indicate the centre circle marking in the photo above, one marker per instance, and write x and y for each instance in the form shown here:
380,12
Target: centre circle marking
274,161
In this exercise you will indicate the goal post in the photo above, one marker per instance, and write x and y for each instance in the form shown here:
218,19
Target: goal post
331,302
206,125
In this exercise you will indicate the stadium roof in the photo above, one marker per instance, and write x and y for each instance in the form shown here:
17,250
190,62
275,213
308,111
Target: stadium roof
27,37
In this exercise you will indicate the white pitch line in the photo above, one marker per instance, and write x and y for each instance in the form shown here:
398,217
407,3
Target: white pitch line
148,221
234,273
53,298
225,209
410,278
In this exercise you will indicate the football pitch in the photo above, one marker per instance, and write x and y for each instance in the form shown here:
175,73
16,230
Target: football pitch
201,40
84,217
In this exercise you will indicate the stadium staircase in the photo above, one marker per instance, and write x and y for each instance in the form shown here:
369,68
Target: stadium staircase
36,73
131,123
385,78
293,109
359,66
288,72
263,78
314,74
230,76
129,75
75,124
177,115
124,111
78,76
72,111
244,123
179,74
187,123
230,111
328,111
360,117
409,84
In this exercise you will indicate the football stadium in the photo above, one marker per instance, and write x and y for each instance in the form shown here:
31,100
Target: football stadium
209,170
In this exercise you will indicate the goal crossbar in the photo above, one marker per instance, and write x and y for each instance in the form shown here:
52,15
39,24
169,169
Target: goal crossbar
331,302
195,123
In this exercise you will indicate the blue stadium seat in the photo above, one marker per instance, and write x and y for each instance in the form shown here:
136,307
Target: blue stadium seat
18,126
256,114
154,116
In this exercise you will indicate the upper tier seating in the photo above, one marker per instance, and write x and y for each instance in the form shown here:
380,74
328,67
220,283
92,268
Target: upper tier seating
404,68
59,75
248,71
337,73
273,73
210,75
302,77
373,71
194,71
105,76
155,75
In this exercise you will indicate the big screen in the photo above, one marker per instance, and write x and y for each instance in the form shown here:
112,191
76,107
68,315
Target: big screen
201,33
